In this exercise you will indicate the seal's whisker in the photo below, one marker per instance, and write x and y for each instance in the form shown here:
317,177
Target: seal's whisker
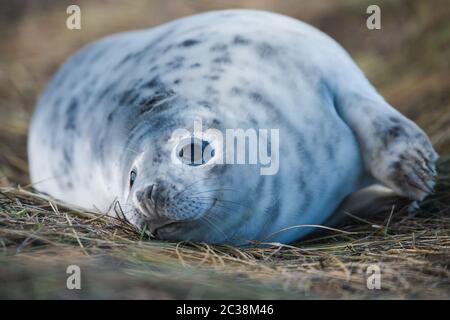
222,205
215,218
222,200
214,206
215,190
190,186
213,225
218,205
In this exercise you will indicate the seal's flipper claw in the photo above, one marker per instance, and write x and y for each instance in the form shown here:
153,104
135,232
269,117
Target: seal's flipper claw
396,152
408,175
405,161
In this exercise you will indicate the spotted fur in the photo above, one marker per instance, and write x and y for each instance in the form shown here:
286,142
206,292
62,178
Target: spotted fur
112,107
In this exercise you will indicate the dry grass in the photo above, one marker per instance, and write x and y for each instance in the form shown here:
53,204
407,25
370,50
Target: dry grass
39,238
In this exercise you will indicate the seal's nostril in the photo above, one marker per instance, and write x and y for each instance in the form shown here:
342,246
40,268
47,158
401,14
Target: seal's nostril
150,190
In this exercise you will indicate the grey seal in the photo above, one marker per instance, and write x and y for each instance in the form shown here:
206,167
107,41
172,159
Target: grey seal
103,131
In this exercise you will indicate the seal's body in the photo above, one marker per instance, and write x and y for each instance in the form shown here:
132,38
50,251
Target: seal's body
103,130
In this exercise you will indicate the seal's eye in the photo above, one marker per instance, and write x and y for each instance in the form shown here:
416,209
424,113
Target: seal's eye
133,175
195,152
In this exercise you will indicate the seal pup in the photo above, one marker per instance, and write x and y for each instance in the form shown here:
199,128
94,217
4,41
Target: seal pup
103,129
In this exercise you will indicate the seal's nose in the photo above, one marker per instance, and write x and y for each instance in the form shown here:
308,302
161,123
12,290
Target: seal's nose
157,204
153,197
149,194
156,194
147,199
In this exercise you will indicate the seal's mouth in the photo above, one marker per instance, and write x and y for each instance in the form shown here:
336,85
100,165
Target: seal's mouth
169,229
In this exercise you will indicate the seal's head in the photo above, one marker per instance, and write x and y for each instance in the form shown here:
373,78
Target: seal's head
178,188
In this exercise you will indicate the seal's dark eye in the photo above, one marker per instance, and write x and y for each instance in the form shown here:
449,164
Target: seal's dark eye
195,152
133,175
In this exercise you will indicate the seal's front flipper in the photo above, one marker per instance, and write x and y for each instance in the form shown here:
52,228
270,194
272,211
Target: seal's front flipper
395,150
375,200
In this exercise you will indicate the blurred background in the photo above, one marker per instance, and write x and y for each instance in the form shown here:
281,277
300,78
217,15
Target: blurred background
407,60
